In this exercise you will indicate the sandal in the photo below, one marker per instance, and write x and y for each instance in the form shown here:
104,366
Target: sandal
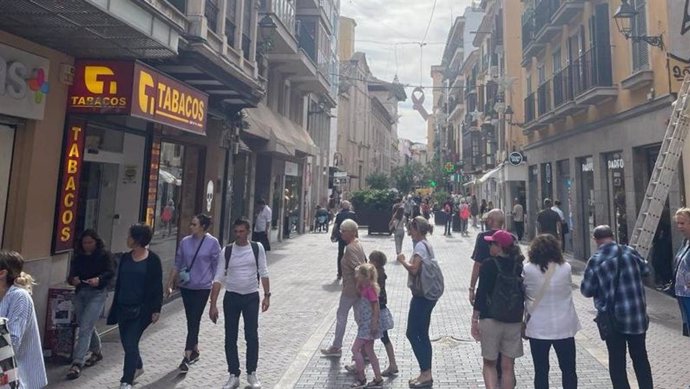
389,372
74,372
422,384
375,384
93,359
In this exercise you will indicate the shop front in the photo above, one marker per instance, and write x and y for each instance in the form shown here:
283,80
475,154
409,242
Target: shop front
134,151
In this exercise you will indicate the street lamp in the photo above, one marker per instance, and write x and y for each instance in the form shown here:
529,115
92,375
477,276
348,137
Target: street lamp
624,16
509,117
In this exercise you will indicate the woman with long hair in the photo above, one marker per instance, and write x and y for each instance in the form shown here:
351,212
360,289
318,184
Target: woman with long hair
680,283
497,334
90,272
196,261
551,319
419,316
17,306
138,298
397,224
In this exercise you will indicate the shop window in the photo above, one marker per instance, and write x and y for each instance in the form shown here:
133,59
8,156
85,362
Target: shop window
586,167
618,215
6,145
168,199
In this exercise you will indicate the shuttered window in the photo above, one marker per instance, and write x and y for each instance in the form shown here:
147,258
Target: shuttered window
640,50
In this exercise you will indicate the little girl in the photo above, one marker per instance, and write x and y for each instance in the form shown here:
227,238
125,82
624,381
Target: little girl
378,259
367,315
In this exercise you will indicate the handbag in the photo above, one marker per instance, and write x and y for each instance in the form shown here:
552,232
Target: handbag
606,320
184,276
537,299
9,374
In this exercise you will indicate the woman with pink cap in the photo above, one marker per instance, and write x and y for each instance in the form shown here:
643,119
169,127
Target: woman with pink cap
499,309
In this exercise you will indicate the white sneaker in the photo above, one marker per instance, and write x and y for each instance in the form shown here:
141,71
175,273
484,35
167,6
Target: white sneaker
254,382
233,382
125,386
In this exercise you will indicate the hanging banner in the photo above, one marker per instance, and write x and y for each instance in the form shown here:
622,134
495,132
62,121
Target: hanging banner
72,162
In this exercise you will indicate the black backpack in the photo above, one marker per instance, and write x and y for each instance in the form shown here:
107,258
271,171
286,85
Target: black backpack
507,300
255,249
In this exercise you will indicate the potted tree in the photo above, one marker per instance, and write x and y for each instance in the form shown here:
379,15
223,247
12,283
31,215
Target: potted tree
373,208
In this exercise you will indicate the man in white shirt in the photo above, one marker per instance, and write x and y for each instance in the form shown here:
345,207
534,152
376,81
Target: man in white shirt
262,224
242,264
564,226
518,218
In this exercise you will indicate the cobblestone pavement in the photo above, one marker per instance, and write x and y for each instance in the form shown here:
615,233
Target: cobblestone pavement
302,319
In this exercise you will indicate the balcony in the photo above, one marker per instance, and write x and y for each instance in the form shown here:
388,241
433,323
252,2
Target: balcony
530,46
545,113
593,77
284,12
531,122
563,93
543,15
567,10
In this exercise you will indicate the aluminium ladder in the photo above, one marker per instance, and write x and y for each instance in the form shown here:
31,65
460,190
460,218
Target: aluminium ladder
664,169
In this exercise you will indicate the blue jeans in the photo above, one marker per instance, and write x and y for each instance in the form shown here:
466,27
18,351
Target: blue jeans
418,321
88,305
684,303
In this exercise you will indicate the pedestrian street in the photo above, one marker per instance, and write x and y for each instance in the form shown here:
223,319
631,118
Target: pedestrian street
301,320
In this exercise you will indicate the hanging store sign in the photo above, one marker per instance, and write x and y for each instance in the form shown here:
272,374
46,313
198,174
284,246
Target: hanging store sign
23,83
291,169
676,40
515,158
72,161
132,88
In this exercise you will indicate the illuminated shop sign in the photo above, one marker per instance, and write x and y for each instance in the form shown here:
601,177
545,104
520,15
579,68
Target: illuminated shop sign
132,88
72,161
23,83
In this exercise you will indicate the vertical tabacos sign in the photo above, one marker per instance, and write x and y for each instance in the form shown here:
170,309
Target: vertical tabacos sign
73,159
132,88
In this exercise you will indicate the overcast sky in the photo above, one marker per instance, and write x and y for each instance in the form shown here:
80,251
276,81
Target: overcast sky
381,23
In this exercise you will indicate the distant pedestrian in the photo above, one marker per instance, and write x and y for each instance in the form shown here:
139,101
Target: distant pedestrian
448,212
680,284
421,306
613,276
549,221
397,225
483,209
90,273
498,310
564,224
137,299
17,306
353,257
464,216
518,214
494,221
551,318
409,205
195,266
367,316
168,217
239,270
426,209
262,224
344,214
474,210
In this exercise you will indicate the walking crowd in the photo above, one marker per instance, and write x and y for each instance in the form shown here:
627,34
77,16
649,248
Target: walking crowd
514,298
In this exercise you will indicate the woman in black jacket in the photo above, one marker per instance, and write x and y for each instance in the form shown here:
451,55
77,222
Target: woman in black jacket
90,272
138,298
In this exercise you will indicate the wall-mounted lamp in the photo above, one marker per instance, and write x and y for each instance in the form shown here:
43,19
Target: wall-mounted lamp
624,16
267,28
509,117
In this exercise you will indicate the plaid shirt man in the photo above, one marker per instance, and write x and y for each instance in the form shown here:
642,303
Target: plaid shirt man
630,304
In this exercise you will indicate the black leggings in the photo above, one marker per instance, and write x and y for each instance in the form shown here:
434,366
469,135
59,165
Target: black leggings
194,304
385,339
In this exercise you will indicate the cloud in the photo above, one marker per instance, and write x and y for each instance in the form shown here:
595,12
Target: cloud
380,25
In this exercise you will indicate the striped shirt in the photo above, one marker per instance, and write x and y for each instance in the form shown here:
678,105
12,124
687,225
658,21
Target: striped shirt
630,305
18,307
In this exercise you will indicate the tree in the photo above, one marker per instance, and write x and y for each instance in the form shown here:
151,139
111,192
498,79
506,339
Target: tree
403,178
377,181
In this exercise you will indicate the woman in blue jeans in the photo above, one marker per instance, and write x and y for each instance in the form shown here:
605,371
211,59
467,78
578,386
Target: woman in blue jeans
90,272
138,298
419,316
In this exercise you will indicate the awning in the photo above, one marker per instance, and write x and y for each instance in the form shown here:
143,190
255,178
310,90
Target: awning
168,177
490,174
284,136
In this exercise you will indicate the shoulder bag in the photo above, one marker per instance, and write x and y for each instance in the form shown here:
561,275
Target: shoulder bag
537,299
184,275
606,320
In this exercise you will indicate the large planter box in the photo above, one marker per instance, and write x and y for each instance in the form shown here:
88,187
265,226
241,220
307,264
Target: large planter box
440,218
378,222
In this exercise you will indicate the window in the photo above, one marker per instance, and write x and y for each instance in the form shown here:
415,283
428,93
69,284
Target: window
246,28
211,14
640,50
6,144
556,60
541,73
230,21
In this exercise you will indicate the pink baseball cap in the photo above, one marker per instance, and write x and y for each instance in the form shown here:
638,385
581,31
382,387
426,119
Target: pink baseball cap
502,238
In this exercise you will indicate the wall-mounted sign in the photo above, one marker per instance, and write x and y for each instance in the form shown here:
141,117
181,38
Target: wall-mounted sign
23,83
548,173
132,88
615,163
209,195
676,40
515,158
291,169
72,161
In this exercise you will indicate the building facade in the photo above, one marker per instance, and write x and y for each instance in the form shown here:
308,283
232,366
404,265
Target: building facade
596,107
